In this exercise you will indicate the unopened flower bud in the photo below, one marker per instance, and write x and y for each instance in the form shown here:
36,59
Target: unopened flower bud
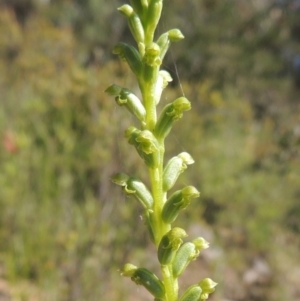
163,79
169,115
208,286
145,144
125,97
184,256
188,252
175,35
169,244
193,293
164,40
134,22
133,186
174,168
150,281
152,18
179,200
151,56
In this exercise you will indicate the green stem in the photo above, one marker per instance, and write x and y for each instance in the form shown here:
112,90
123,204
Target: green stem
171,284
160,228
147,84
150,107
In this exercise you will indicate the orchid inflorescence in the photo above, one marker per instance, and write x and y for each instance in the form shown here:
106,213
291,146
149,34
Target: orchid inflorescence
160,209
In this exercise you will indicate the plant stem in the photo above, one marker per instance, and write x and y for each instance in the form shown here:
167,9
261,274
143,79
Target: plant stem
171,285
160,228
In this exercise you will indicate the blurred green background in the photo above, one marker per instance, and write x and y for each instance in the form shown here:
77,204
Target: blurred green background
65,230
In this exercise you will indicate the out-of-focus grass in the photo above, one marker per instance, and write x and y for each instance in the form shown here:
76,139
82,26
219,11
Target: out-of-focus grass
66,230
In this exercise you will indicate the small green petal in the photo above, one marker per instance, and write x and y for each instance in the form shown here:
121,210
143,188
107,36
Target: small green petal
175,35
200,243
207,285
128,270
120,179
169,244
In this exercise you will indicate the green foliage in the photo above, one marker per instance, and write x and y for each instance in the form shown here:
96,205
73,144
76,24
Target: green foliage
54,154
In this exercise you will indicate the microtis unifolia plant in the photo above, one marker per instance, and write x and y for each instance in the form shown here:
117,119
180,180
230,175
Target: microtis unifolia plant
161,208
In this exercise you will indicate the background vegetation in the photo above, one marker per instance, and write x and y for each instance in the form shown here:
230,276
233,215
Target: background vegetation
65,229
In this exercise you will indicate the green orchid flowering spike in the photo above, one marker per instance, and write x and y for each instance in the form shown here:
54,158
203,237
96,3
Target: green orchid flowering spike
134,22
125,97
150,281
179,200
169,244
159,209
152,18
174,168
170,113
145,144
193,293
130,55
208,286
